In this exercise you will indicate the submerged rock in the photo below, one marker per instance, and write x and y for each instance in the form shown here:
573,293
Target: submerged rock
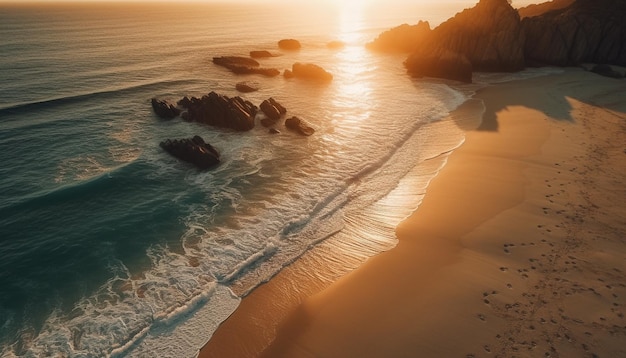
247,87
244,65
195,151
164,109
299,126
261,54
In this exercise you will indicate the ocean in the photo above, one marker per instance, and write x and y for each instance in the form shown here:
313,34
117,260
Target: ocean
111,247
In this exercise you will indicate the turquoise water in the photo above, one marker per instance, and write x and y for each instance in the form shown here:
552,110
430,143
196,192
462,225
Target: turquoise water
106,239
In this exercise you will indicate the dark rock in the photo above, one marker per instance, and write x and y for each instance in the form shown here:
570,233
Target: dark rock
273,110
336,45
488,35
404,38
185,102
238,61
588,31
261,54
606,70
164,109
308,71
244,65
221,111
289,44
299,126
247,87
440,64
540,9
194,150
273,106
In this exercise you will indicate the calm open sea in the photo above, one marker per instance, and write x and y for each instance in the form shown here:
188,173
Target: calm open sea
109,246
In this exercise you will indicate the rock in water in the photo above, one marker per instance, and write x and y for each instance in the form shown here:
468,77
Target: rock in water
247,87
244,65
261,54
220,111
289,44
164,109
195,151
309,71
299,126
272,109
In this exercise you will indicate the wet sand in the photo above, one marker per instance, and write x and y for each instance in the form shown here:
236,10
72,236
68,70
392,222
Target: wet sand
518,249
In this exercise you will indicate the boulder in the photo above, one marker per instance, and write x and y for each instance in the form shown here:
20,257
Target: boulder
195,151
273,131
238,61
441,63
272,108
244,65
587,31
404,38
247,87
289,44
308,71
221,111
164,109
299,126
261,54
606,70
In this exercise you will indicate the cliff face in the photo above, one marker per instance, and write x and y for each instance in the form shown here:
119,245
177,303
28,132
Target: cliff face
540,9
587,31
491,37
487,37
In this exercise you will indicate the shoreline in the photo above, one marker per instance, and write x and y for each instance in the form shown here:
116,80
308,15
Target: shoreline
501,257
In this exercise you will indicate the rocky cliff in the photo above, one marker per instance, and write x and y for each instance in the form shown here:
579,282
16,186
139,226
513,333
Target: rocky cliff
587,31
540,9
488,36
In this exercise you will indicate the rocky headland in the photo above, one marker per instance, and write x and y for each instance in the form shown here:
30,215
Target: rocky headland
493,37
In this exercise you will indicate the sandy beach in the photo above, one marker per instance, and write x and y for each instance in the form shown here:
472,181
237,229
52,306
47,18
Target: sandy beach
518,249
